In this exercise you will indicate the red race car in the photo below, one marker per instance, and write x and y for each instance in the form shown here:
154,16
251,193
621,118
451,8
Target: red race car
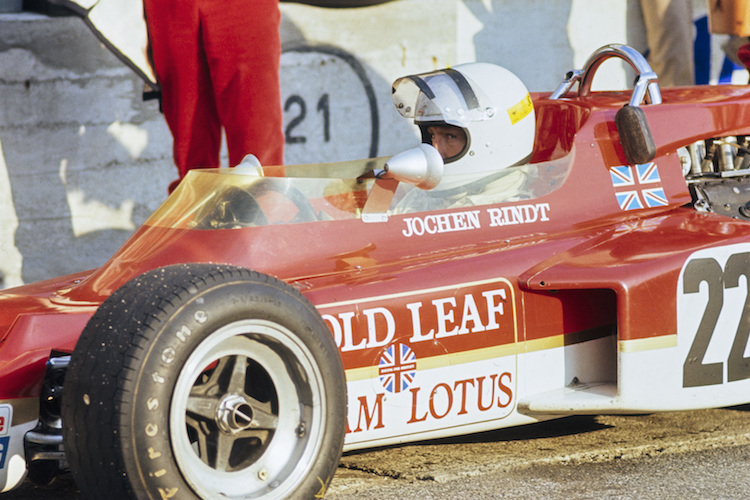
550,254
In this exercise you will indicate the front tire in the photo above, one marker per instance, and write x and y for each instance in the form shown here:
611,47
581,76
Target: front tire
204,381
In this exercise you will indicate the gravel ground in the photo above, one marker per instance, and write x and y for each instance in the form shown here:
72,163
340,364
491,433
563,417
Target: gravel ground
575,457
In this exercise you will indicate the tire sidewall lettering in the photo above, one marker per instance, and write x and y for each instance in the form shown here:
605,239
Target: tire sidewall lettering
163,471
153,338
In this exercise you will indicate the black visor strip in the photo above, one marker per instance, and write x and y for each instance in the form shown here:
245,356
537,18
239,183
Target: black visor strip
423,87
463,85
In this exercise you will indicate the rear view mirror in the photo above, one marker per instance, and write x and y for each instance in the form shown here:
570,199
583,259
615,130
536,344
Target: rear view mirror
635,135
421,166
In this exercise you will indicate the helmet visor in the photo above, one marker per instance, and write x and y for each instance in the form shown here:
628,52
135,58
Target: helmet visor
441,96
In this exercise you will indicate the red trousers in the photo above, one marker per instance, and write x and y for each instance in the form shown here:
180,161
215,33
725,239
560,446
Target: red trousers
217,62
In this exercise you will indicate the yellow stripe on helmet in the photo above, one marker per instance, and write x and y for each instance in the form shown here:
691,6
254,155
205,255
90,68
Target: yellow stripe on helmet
520,110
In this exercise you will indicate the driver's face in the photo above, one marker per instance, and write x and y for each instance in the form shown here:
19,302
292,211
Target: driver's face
447,139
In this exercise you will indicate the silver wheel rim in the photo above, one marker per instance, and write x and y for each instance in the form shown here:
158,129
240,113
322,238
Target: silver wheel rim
247,412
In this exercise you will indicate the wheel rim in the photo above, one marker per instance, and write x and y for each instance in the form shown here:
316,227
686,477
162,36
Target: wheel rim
246,417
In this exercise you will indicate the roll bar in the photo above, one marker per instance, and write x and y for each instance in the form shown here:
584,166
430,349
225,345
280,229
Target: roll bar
647,82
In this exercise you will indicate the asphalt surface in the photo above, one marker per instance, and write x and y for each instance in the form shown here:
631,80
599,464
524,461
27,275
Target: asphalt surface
697,454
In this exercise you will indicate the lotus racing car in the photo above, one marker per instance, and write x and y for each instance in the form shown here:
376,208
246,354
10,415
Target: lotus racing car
265,318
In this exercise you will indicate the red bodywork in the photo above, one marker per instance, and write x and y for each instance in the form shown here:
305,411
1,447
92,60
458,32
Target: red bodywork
591,264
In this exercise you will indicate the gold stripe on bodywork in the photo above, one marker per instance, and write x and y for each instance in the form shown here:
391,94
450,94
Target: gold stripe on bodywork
456,358
500,351
649,344
568,339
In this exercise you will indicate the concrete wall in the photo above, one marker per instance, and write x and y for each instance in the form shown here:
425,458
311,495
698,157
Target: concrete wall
84,161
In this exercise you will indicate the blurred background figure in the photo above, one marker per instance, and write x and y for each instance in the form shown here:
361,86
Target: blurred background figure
217,64
670,36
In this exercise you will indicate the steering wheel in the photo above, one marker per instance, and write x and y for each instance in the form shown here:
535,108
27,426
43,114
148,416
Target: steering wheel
243,207
305,211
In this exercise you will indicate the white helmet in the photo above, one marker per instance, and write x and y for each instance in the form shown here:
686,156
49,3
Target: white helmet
488,102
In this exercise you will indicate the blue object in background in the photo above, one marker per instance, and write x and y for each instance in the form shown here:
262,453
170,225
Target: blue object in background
727,69
702,51
702,56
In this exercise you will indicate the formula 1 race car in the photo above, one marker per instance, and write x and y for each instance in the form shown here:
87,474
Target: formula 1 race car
265,318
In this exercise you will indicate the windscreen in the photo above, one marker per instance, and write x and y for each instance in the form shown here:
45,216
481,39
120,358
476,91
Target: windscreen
236,198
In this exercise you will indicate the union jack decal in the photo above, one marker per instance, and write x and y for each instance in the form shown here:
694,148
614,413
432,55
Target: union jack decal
638,187
397,367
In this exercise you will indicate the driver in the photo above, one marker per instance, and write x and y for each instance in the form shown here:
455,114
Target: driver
449,140
480,118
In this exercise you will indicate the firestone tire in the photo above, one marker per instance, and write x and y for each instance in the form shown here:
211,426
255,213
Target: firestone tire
204,381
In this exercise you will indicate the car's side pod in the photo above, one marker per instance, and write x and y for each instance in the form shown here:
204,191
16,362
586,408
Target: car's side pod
635,135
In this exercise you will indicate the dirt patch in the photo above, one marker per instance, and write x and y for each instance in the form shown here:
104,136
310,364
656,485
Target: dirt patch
582,439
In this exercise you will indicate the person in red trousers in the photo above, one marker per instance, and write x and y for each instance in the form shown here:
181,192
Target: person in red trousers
217,62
